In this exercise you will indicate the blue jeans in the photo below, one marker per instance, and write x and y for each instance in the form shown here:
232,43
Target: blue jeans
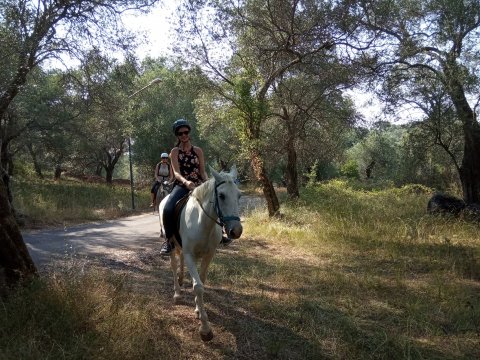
168,212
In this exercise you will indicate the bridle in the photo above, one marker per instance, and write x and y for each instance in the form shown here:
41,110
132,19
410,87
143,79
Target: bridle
218,211
223,219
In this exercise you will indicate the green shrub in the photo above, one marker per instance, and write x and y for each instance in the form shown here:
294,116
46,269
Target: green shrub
350,169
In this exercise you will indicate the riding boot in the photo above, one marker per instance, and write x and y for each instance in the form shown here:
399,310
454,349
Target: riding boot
167,246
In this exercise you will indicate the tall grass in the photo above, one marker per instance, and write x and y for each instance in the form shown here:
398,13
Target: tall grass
345,273
47,202
94,316
375,276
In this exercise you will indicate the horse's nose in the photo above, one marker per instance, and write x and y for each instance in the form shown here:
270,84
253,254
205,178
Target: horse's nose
236,231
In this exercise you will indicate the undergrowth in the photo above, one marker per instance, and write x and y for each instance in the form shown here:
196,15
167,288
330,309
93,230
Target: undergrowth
344,273
45,202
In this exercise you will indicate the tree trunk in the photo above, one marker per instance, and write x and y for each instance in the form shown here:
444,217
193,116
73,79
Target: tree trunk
292,173
112,160
36,164
27,64
58,172
267,186
470,168
98,170
5,157
369,169
16,265
109,174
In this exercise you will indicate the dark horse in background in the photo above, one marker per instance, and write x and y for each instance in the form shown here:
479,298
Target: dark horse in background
441,203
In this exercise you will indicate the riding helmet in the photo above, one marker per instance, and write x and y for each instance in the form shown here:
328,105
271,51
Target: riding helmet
180,123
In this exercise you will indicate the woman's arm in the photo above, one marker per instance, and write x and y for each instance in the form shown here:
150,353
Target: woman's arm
157,178
170,173
175,165
176,170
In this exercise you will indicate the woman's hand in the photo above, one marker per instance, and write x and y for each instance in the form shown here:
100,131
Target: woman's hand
189,185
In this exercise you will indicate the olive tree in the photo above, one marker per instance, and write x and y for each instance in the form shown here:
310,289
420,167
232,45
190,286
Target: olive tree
260,42
427,39
33,32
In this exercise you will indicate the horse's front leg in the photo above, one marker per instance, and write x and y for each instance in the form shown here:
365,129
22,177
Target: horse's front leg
176,285
205,331
207,258
181,270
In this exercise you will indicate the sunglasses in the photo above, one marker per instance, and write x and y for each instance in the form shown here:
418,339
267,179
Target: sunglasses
180,133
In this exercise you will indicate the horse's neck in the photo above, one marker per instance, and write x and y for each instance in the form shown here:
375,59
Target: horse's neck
207,201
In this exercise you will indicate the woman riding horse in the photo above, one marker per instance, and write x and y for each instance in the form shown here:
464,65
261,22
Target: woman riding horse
189,172
211,207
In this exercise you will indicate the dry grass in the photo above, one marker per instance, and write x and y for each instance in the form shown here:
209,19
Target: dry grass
344,274
45,202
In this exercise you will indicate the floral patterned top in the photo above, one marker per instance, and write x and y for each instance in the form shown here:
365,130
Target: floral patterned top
189,166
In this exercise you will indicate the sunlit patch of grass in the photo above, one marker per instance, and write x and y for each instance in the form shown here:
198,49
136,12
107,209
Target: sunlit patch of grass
74,316
47,202
250,188
386,279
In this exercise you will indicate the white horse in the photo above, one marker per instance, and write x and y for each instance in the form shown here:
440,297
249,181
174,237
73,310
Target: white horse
211,206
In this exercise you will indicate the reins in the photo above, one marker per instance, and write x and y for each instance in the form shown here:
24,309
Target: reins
217,209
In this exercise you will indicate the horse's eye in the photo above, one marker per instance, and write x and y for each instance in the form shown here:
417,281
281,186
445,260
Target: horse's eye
222,196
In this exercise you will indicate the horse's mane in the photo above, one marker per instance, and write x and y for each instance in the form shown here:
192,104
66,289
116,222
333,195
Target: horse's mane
207,188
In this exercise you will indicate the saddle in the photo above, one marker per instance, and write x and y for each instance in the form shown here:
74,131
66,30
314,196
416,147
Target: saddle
176,216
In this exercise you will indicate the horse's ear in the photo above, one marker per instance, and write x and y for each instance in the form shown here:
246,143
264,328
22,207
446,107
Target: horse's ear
233,172
215,174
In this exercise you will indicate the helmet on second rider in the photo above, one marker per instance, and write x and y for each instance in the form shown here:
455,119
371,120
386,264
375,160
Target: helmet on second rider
180,123
164,156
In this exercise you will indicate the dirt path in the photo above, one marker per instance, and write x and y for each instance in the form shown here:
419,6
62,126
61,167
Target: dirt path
120,243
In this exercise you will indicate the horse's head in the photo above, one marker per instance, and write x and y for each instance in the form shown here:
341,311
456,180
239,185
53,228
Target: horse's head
227,198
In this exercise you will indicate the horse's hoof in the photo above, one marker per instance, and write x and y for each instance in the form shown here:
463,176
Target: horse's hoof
197,314
177,299
207,337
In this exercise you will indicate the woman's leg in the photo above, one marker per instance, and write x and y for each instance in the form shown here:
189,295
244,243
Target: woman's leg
153,192
168,221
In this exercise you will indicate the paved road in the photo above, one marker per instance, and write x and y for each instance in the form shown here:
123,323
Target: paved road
124,235
112,241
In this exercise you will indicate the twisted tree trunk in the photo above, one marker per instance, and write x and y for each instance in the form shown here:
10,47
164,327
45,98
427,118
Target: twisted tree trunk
470,168
267,186
16,265
292,173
